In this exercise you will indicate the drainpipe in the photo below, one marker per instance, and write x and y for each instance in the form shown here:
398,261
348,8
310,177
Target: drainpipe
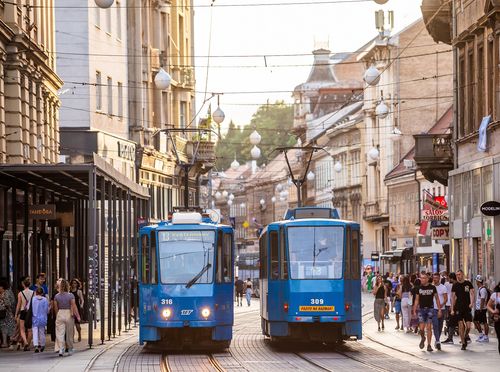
455,87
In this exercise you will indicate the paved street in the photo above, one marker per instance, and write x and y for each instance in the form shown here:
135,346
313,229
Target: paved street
381,351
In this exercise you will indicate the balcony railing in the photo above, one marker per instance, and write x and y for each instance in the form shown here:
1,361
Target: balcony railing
438,25
434,156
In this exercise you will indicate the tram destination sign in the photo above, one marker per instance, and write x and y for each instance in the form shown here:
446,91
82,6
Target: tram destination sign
490,208
42,212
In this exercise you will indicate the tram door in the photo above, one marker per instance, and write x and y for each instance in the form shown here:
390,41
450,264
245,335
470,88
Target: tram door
149,274
276,284
352,274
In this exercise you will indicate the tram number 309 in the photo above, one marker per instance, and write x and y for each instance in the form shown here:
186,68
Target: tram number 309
166,301
317,301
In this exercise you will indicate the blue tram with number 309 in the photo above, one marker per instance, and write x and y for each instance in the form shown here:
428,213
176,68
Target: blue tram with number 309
186,283
310,277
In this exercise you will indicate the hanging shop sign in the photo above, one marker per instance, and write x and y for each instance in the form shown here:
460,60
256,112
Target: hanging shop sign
375,256
490,208
440,233
42,212
435,214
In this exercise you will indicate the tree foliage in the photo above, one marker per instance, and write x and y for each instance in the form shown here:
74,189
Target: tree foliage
273,122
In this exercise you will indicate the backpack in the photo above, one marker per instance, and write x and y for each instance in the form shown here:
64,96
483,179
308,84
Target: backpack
488,295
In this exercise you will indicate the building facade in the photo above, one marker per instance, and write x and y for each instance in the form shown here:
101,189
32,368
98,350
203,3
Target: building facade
471,153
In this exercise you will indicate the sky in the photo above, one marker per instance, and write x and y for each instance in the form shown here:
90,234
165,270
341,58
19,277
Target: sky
259,53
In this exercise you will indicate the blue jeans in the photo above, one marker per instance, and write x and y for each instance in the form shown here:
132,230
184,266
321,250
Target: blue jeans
437,324
249,296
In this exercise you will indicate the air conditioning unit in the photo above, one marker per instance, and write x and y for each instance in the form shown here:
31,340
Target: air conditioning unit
409,163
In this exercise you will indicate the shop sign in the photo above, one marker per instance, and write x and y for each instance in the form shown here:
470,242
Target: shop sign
490,208
440,233
375,256
42,212
126,151
435,215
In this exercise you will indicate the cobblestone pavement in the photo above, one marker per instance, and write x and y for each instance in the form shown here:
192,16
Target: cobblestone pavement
251,351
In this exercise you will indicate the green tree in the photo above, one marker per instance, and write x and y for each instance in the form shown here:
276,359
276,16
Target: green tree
274,123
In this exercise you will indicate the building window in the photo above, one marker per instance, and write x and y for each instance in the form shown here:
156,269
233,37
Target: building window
480,87
108,20
461,97
118,21
110,96
97,16
120,100
98,91
491,76
471,98
182,114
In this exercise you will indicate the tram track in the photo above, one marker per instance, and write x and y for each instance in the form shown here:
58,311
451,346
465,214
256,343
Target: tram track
194,362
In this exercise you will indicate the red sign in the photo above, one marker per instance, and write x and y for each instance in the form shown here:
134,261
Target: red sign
441,200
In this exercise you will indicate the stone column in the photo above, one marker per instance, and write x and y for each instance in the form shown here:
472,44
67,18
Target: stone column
13,107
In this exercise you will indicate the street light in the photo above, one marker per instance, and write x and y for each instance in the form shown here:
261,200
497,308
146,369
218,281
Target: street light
218,195
255,138
229,202
382,110
273,199
162,79
310,176
262,202
218,116
235,164
371,76
373,153
225,193
255,152
104,3
231,197
337,167
279,187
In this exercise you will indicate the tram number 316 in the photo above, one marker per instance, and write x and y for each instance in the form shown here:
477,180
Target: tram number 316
317,301
166,301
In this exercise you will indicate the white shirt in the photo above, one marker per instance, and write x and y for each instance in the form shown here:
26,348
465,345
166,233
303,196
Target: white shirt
495,296
441,290
482,294
448,286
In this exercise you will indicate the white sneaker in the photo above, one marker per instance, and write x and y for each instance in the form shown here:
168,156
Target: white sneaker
480,338
486,339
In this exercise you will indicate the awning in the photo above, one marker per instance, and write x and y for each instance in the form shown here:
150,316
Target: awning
429,250
387,255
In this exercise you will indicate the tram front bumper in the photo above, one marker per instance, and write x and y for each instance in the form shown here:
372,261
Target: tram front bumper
188,323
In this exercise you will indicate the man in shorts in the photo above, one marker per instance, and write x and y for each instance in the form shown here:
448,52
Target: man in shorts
424,302
480,311
462,298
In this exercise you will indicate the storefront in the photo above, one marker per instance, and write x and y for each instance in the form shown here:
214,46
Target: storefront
74,221
475,237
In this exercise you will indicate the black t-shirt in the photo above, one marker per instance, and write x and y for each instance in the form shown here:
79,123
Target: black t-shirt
380,293
239,285
426,296
462,293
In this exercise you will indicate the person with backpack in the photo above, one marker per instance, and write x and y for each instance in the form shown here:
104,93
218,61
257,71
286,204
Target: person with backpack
23,306
40,310
493,306
483,295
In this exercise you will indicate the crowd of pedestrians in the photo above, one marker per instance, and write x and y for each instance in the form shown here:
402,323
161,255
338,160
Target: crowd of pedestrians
430,304
25,321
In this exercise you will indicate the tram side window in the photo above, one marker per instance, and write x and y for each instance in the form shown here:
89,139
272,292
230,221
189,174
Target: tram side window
355,264
145,258
154,264
284,262
220,259
226,260
348,257
263,256
273,236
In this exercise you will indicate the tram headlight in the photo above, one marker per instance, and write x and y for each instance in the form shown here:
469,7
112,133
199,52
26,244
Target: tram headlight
166,313
205,312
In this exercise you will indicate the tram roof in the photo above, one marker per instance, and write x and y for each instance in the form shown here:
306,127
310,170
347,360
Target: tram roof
311,222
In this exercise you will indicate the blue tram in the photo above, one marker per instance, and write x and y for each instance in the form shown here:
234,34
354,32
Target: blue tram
310,277
186,283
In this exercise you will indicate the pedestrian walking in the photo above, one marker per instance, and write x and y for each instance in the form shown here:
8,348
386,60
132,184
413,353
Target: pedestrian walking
462,298
248,291
493,307
369,279
239,287
380,293
7,321
438,320
23,305
65,309
40,312
75,290
450,320
406,304
415,281
425,306
397,303
40,283
480,318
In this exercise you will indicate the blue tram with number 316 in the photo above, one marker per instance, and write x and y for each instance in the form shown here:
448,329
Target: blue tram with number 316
310,277
186,283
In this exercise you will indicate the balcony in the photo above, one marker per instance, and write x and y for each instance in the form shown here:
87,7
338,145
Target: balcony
439,26
375,211
205,152
434,156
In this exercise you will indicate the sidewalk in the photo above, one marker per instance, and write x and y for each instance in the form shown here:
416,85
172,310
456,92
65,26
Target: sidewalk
100,357
478,356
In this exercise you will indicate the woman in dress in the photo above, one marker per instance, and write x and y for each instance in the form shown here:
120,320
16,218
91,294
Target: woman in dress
77,293
380,293
7,321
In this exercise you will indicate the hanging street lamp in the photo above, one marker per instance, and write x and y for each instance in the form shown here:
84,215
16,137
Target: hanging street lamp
373,154
104,3
310,176
371,76
338,167
255,152
255,138
382,110
218,195
235,164
162,79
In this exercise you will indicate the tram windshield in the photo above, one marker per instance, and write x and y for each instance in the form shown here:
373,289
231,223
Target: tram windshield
316,252
186,255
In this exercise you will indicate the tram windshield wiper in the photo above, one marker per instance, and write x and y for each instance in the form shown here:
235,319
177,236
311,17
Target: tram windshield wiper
198,276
